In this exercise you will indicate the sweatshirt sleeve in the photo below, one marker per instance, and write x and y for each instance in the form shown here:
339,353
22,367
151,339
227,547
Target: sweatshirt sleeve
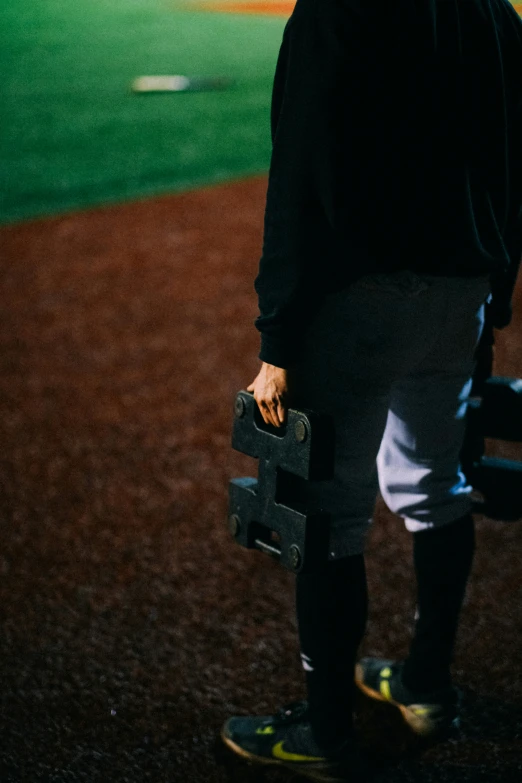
503,284
289,280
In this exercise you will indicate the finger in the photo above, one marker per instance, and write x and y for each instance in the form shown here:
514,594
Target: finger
264,415
268,415
262,410
281,412
275,415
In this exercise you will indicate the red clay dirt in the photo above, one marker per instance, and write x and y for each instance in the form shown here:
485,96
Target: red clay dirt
132,625
259,7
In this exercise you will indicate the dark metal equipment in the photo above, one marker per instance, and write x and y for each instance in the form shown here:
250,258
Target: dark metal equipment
494,411
496,414
268,513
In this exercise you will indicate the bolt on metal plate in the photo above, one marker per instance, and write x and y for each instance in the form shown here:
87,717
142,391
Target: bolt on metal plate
295,556
239,407
301,431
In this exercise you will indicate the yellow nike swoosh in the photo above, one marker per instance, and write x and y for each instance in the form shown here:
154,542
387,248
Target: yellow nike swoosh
280,753
384,685
265,730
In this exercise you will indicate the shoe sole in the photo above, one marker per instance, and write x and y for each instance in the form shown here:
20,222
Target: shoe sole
417,723
317,773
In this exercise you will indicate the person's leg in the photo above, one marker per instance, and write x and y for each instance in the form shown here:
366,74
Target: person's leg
421,479
443,558
332,611
332,604
359,345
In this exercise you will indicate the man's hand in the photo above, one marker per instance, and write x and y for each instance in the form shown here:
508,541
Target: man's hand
271,392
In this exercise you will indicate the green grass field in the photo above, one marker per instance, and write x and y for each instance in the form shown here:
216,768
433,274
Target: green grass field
73,134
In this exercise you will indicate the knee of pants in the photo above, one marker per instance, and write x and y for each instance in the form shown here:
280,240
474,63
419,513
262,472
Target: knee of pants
349,517
348,537
424,497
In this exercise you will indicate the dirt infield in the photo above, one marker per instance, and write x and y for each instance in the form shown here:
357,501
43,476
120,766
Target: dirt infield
132,625
268,7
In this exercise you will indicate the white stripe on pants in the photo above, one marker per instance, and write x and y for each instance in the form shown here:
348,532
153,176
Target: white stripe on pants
391,359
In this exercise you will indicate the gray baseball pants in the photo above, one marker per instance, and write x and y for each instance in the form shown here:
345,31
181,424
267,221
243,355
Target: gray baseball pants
391,358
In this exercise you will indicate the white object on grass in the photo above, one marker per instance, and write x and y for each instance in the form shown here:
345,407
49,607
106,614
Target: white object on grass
161,83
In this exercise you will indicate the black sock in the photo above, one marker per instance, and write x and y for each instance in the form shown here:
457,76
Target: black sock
443,558
332,608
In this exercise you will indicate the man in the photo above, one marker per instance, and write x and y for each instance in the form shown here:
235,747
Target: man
393,221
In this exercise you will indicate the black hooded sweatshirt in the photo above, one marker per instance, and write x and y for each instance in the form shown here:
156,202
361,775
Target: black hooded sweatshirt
396,144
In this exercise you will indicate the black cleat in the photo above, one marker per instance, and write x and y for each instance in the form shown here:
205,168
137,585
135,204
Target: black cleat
285,739
432,713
